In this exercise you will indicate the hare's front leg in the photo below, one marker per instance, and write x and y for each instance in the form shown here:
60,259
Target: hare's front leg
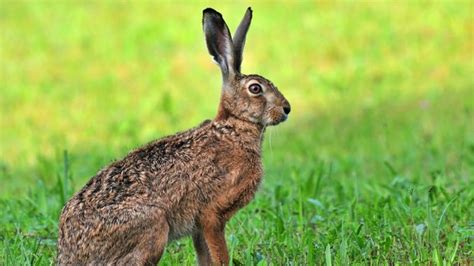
214,236
202,251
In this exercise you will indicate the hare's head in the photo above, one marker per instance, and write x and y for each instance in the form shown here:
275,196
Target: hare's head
251,98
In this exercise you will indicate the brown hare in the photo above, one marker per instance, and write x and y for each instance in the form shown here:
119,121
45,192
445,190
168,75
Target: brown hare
190,183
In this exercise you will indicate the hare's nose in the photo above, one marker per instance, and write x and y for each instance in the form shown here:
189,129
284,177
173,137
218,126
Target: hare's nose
287,108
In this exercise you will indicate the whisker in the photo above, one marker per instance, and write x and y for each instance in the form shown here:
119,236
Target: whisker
270,143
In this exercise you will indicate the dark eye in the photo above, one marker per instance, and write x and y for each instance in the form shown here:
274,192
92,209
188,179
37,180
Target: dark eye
255,88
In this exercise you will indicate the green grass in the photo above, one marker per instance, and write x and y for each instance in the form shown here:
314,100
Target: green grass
374,166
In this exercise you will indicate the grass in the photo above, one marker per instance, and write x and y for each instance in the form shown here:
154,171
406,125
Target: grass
374,166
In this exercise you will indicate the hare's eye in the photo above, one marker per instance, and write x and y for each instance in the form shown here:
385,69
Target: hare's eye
255,88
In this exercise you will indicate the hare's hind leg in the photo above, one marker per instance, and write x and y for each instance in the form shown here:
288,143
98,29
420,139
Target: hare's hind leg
151,244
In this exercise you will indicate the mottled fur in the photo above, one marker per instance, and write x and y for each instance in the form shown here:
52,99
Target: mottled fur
190,183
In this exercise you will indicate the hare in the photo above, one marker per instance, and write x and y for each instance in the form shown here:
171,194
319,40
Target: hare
190,183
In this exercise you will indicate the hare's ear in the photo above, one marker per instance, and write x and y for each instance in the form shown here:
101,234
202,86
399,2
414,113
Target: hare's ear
219,42
239,38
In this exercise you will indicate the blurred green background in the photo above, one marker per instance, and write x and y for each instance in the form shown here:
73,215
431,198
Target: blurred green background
382,121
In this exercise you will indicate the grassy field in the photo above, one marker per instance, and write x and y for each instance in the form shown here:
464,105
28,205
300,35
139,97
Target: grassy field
374,166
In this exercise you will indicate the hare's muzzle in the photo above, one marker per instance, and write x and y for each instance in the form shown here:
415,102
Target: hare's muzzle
282,115
287,108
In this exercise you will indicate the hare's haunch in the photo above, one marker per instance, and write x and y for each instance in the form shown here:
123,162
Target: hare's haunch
190,183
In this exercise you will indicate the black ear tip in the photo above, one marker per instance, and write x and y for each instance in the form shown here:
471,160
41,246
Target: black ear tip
249,12
211,11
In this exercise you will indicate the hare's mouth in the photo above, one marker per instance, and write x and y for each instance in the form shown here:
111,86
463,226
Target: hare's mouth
282,118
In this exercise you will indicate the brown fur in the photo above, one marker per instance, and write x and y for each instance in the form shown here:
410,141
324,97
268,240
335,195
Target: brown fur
190,183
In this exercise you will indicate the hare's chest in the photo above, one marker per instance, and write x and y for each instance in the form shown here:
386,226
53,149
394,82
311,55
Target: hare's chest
247,189
240,192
